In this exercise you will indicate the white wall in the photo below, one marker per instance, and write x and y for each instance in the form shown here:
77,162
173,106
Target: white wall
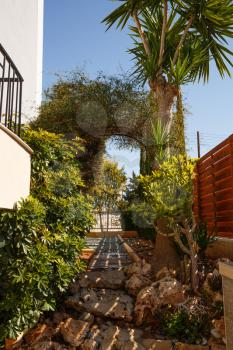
21,34
15,169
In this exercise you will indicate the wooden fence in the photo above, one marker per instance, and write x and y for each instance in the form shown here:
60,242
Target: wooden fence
213,189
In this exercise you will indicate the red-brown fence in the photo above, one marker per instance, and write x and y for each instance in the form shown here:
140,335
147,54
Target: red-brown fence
213,189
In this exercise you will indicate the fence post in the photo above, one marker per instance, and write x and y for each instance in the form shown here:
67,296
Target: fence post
198,145
226,271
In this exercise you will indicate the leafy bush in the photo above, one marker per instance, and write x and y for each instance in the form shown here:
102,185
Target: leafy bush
203,239
41,239
169,190
215,282
131,220
186,325
168,194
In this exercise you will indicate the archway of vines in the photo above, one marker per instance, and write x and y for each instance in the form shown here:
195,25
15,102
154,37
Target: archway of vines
96,110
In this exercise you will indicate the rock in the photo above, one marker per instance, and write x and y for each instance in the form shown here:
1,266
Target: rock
215,333
136,283
39,333
89,344
219,326
13,344
165,291
218,347
104,303
48,345
128,346
74,331
218,298
152,344
213,286
138,268
87,317
121,339
59,317
103,279
93,339
113,337
183,346
214,343
165,272
74,288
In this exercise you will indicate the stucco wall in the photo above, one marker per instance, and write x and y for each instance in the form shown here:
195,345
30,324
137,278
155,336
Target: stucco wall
21,34
15,169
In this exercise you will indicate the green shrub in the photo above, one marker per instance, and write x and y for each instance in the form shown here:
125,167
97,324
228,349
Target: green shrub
131,220
185,325
203,239
41,239
36,266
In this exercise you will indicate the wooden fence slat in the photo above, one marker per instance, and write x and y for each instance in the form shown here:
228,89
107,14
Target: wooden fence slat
213,189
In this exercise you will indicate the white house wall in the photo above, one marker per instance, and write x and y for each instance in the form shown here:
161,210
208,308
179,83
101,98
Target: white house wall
21,34
15,169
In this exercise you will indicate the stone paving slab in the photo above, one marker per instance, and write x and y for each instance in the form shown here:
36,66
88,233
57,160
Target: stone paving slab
110,254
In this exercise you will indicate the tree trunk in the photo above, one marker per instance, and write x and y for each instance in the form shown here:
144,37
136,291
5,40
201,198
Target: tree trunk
164,251
165,97
107,220
194,259
92,161
194,271
101,222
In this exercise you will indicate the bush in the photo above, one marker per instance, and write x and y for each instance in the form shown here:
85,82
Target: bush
185,325
131,220
41,239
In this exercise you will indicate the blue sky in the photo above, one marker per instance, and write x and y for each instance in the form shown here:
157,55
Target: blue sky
74,37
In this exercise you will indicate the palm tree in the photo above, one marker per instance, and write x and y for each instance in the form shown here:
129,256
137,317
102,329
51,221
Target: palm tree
174,44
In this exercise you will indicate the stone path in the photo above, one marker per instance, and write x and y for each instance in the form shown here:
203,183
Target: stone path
110,254
107,307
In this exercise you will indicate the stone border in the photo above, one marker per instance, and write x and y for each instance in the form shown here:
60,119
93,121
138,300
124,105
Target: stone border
129,250
110,234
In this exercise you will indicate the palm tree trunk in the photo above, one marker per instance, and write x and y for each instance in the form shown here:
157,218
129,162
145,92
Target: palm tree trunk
165,97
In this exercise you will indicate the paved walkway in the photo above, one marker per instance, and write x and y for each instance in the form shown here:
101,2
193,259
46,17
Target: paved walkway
110,254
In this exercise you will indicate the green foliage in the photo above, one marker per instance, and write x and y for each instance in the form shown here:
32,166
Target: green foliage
107,194
133,220
197,32
161,140
95,109
41,238
202,237
168,191
215,282
51,152
185,325
91,108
